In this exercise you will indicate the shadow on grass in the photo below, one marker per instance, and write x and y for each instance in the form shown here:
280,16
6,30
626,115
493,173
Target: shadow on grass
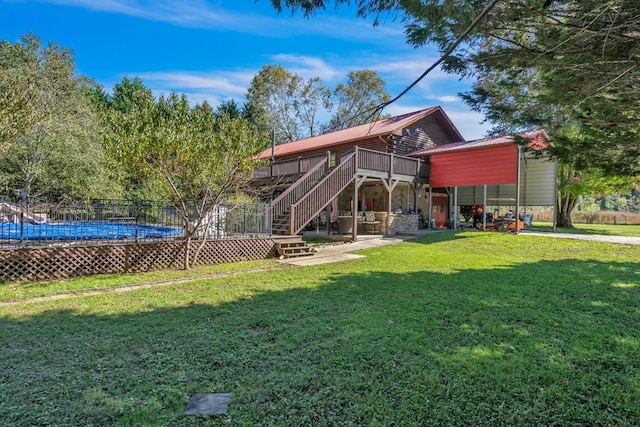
542,343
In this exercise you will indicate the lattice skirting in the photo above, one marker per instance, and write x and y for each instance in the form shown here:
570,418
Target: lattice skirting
55,263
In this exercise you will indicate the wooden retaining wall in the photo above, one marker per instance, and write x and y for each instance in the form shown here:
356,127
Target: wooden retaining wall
56,263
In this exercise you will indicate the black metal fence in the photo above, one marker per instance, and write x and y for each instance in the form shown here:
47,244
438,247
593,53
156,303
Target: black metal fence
46,223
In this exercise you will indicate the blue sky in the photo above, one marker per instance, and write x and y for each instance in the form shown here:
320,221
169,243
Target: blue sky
211,50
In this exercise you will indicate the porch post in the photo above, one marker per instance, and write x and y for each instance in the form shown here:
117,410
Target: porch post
354,211
518,171
328,218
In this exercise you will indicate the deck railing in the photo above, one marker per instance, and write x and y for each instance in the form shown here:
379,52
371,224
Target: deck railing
367,159
281,204
387,163
297,166
405,165
319,197
373,160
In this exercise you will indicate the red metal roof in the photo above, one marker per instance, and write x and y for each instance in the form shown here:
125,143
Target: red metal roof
538,140
370,130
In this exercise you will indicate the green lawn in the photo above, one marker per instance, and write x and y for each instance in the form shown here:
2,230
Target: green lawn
607,229
450,329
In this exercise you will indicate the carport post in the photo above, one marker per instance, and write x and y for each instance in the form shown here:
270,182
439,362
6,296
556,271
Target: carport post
455,207
430,202
555,198
518,171
484,209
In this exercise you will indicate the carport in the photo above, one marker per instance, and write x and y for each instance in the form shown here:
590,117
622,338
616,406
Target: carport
474,172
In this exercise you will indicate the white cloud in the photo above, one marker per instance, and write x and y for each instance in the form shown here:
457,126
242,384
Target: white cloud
408,66
246,19
214,88
448,98
187,14
234,83
307,66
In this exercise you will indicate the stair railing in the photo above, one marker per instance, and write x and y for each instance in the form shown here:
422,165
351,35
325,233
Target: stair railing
281,204
312,203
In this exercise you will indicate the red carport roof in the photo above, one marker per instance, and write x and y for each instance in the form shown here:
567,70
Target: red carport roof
370,130
538,139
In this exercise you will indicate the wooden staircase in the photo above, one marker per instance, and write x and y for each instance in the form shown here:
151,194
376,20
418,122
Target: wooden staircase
281,206
292,247
313,191
320,195
280,224
305,199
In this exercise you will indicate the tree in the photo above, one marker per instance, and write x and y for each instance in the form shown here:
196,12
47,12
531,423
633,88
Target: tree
585,54
293,107
312,98
17,91
573,187
357,99
191,155
232,110
539,63
229,109
124,94
288,104
54,150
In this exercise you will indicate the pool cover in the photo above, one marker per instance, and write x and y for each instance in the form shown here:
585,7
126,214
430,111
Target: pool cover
85,231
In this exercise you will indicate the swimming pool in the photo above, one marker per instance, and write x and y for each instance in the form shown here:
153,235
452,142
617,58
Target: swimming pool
85,230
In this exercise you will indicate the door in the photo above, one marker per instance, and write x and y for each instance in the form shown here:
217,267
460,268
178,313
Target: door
439,210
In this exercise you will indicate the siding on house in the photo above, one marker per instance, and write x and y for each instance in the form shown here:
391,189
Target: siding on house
538,182
426,133
537,186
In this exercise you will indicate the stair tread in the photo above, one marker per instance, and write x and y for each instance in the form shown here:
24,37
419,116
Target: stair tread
299,255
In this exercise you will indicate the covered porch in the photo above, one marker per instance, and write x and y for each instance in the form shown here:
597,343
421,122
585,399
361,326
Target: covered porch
358,195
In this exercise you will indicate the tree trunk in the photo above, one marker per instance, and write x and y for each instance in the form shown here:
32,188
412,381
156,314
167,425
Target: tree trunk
187,249
202,242
565,206
564,220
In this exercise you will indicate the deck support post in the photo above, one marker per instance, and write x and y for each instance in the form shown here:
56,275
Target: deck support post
416,195
354,210
518,171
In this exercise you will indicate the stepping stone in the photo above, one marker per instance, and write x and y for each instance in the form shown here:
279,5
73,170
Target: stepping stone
207,404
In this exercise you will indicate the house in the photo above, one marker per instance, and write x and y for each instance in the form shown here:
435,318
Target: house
400,173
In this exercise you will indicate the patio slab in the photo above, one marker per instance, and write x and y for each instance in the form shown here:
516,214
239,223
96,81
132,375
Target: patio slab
208,404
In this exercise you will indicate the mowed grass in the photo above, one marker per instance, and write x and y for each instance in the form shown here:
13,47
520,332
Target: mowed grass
450,329
630,230
13,291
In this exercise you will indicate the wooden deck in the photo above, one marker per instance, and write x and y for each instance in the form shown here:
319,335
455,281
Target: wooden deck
370,163
317,183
